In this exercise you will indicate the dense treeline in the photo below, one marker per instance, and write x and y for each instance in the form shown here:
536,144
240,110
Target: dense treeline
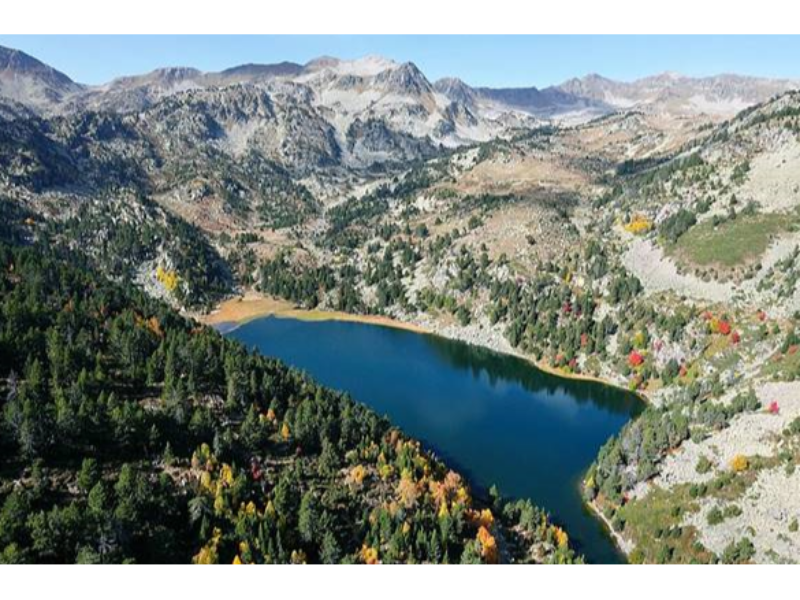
305,286
13,216
550,319
131,434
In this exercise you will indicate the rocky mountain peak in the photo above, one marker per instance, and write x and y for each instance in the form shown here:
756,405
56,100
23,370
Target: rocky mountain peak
29,81
372,107
171,74
15,63
405,79
165,76
322,62
253,71
587,85
366,66
456,90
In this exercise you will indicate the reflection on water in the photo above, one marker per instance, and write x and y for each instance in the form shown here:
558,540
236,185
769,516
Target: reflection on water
496,418
498,368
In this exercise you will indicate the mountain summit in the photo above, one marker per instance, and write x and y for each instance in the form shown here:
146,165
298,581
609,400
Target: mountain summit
29,81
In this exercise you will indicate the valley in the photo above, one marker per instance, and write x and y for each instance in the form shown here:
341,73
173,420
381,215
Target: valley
645,234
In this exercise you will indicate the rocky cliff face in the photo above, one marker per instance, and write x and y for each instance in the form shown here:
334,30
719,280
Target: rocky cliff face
33,83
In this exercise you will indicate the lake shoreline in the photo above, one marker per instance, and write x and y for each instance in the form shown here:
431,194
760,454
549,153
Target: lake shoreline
623,545
237,311
243,309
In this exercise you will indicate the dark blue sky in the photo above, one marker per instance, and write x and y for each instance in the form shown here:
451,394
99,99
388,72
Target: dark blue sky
479,60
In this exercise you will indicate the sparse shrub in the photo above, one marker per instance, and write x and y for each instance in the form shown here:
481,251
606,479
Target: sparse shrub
703,465
738,552
715,516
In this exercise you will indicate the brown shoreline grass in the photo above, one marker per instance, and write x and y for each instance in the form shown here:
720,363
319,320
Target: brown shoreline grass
253,306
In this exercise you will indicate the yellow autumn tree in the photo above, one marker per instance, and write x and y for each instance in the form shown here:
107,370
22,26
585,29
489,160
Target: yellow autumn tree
462,496
219,504
486,518
226,475
247,510
206,556
299,557
561,537
739,463
480,518
169,279
205,481
386,471
208,553
369,555
638,225
356,476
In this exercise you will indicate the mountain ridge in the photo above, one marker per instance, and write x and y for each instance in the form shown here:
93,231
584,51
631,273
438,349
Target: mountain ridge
48,90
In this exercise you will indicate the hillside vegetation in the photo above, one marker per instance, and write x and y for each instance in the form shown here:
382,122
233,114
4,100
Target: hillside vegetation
130,434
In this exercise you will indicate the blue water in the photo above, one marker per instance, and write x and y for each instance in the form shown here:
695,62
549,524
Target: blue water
495,418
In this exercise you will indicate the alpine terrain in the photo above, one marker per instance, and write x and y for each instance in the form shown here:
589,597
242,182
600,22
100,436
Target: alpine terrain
644,233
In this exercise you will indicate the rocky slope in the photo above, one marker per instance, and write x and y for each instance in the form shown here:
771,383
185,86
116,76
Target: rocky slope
33,83
720,96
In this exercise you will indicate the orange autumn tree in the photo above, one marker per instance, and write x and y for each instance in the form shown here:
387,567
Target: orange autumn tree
355,478
480,518
488,544
407,491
